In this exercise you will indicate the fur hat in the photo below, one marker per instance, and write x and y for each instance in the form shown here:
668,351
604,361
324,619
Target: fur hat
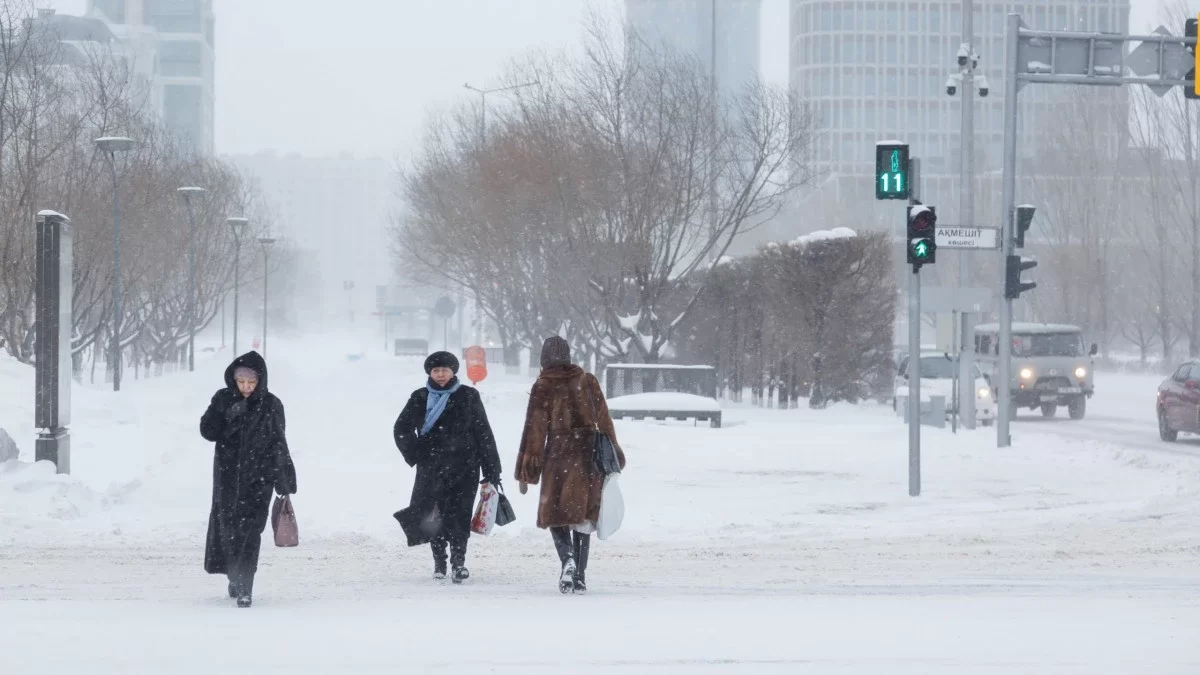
441,360
555,352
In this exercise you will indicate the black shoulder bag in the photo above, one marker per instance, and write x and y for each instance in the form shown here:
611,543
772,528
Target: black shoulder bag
604,454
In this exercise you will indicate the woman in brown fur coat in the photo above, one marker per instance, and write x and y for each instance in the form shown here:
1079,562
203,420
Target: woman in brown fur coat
565,406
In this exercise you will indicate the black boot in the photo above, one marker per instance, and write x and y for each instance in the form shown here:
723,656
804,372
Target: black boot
241,584
583,545
439,558
246,589
458,558
566,555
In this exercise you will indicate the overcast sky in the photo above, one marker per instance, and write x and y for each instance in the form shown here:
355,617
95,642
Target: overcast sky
360,75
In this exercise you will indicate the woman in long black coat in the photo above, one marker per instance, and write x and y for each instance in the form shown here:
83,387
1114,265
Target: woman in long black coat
246,422
444,432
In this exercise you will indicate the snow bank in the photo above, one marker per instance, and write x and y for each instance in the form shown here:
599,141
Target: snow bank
664,401
8,447
825,235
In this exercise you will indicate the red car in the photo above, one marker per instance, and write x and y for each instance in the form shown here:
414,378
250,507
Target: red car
1179,402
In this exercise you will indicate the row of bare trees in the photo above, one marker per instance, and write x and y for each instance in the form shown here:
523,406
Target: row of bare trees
1117,233
598,202
55,99
812,318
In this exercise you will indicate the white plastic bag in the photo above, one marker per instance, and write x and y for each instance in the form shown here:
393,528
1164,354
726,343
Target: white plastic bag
485,512
612,507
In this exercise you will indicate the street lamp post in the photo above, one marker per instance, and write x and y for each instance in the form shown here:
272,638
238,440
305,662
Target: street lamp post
482,137
238,225
187,193
266,242
110,146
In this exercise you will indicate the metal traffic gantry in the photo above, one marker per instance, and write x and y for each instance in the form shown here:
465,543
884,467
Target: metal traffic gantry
1160,61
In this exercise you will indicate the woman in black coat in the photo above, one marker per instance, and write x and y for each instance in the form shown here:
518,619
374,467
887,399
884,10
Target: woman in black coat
444,432
252,459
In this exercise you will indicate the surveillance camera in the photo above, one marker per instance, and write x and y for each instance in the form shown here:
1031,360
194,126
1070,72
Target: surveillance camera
951,86
963,54
983,87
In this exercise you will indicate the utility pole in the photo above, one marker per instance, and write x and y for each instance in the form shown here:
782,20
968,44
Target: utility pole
110,146
712,140
187,193
966,80
482,138
238,226
966,202
266,241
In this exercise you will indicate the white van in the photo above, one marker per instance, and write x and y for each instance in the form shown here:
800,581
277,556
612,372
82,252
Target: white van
1050,366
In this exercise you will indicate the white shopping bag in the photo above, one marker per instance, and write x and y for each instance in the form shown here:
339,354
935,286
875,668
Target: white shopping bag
485,512
612,507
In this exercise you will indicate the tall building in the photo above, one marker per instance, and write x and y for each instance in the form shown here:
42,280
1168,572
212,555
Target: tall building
338,208
688,25
877,70
172,45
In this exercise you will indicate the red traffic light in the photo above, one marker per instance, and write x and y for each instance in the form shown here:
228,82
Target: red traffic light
923,220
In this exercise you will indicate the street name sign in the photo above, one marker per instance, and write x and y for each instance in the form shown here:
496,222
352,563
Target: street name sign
951,236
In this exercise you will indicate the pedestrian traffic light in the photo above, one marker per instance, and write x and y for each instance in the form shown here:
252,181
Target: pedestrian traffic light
1013,286
1023,220
891,171
922,231
1189,31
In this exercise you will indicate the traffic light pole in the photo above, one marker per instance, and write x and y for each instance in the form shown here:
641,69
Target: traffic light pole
914,352
1008,201
914,381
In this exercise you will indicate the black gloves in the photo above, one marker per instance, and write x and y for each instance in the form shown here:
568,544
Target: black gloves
235,409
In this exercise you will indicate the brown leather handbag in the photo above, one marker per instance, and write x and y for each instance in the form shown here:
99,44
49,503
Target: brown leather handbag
283,522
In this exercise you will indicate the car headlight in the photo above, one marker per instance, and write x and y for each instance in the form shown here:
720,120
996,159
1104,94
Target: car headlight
1080,372
1026,373
984,392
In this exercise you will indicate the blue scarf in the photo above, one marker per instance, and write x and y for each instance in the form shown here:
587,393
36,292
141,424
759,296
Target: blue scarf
436,403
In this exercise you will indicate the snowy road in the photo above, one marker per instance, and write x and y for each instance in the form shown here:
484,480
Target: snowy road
785,542
360,608
1122,412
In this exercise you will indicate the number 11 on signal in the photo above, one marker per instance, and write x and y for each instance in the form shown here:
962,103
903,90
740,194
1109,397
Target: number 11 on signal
892,182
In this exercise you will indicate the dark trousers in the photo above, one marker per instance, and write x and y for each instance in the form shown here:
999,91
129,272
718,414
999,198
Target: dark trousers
458,547
571,544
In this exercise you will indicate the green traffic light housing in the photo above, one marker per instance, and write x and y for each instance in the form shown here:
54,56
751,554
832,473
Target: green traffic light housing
1189,31
1024,218
1013,286
921,243
892,171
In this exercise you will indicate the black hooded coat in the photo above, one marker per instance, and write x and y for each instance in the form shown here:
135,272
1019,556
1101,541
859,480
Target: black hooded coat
251,461
450,458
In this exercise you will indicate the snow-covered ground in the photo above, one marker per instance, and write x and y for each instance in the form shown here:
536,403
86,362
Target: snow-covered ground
783,542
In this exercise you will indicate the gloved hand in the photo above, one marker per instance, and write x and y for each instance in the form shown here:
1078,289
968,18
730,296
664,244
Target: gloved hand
235,409
524,487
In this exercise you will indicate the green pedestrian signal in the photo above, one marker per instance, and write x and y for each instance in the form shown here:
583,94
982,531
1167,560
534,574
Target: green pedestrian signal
891,171
922,236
